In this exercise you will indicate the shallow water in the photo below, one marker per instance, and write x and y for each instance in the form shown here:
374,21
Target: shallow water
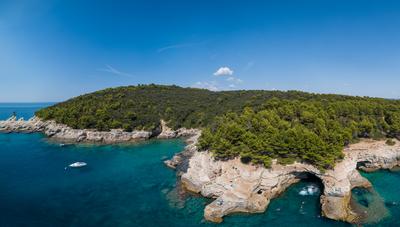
387,185
128,185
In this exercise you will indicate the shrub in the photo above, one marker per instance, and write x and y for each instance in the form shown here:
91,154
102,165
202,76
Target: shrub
390,142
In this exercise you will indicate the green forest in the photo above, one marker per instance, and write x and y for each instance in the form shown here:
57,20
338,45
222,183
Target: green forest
255,125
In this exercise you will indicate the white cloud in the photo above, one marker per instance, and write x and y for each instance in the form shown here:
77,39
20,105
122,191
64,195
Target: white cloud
115,71
212,86
232,85
224,71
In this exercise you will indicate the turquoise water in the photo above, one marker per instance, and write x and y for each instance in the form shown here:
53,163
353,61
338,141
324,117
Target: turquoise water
387,187
128,185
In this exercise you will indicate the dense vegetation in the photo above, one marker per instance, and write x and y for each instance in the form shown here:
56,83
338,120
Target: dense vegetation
258,126
142,107
310,130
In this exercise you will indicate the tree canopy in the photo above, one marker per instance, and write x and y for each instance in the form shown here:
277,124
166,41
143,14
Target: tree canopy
256,125
314,131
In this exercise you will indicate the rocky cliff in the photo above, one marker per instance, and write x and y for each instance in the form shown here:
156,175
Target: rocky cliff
62,132
239,187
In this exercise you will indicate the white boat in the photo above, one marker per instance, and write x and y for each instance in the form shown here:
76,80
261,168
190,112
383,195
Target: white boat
78,164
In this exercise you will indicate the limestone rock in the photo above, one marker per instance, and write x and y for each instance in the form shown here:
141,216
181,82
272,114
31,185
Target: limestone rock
239,187
166,132
65,133
181,159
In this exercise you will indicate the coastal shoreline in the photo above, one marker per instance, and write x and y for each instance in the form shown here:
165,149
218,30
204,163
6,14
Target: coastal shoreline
237,187
243,188
63,133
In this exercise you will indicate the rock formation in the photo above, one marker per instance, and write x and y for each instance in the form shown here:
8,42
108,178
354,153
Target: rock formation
239,187
64,133
181,159
20,125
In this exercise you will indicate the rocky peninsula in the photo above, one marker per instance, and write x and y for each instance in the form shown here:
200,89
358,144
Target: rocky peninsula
64,133
238,187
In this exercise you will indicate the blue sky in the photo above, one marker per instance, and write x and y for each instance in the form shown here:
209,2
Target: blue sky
54,50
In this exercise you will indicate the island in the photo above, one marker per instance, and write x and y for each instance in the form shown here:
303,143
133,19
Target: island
244,147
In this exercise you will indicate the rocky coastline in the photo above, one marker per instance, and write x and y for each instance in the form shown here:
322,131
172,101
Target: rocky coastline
64,133
238,187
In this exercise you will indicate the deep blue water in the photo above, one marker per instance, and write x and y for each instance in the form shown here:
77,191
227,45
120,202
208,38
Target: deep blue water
25,110
128,185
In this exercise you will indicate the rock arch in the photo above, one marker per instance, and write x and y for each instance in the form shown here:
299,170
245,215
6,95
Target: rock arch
239,187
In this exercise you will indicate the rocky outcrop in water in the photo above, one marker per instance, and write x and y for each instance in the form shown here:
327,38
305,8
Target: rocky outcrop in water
62,132
238,187
181,160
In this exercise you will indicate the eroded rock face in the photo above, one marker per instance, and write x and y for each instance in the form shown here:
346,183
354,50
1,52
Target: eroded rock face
166,132
239,187
13,124
62,132
181,159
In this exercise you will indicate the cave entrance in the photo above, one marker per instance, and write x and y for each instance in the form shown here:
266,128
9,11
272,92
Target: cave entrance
311,179
310,190
301,198
366,166
363,164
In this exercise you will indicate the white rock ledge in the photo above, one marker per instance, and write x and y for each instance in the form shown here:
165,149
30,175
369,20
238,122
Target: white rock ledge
239,187
62,132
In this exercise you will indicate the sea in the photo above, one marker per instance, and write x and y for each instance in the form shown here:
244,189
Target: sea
128,185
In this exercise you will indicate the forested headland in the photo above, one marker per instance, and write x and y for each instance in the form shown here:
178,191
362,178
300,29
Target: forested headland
256,125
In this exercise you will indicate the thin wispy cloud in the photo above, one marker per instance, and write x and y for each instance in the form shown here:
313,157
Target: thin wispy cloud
115,71
178,46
